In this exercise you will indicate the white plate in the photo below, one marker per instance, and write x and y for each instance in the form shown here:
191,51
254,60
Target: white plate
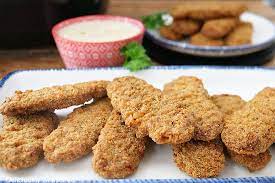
157,163
263,37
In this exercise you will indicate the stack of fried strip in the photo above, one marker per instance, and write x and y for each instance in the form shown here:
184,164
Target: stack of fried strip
122,141
228,104
27,122
29,130
206,159
183,111
249,132
210,24
116,128
187,112
185,116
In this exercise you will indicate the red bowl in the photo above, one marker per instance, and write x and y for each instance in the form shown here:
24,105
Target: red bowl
77,54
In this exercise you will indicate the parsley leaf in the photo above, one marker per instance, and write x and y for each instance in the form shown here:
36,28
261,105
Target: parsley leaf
153,21
135,57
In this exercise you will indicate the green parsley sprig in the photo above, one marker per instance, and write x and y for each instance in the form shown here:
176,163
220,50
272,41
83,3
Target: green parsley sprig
153,21
135,57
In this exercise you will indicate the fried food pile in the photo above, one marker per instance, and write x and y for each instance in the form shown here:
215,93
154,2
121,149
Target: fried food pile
209,24
124,113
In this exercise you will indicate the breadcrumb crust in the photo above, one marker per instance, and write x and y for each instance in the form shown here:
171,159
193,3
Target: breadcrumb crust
21,139
78,133
118,151
251,130
200,159
136,100
186,112
51,98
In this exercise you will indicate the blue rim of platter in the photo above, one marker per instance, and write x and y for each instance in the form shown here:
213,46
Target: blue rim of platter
265,179
208,180
210,51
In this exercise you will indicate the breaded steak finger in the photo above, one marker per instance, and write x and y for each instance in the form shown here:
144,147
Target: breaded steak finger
21,139
200,159
207,10
229,104
251,130
253,163
241,35
51,98
186,27
78,133
168,33
186,111
118,151
219,28
136,100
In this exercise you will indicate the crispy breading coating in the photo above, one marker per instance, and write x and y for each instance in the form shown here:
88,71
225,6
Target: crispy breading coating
51,98
201,40
168,33
228,103
219,28
21,139
208,120
188,161
186,111
208,10
251,130
173,124
253,163
200,159
241,35
118,151
136,100
186,27
78,133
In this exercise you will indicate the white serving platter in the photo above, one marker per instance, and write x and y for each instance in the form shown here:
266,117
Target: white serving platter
157,165
262,38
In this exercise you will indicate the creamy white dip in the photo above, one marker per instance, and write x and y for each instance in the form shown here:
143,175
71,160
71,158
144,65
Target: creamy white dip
99,31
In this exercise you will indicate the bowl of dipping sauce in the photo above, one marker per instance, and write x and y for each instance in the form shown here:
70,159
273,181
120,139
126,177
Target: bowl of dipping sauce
96,40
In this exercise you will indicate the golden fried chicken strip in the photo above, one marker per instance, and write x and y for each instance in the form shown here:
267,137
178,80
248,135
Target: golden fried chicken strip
21,139
253,163
186,111
118,152
78,133
51,98
201,40
136,100
168,33
241,35
186,27
208,120
206,11
219,28
229,104
251,130
200,159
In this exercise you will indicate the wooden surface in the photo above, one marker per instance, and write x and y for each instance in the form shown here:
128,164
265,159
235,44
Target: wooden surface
49,58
